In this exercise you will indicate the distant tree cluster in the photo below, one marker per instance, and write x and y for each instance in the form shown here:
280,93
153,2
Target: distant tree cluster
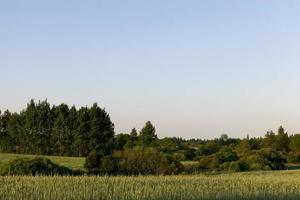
271,152
59,130
66,131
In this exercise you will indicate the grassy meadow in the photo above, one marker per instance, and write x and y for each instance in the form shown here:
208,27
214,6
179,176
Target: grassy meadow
253,185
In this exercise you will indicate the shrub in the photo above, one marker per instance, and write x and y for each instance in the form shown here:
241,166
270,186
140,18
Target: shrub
264,159
33,166
179,156
209,162
147,161
293,158
136,161
256,162
275,159
92,162
108,165
226,154
234,166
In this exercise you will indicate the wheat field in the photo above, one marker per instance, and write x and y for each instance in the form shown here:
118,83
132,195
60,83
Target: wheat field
254,185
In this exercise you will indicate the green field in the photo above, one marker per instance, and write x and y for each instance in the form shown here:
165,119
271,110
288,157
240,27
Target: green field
231,186
70,162
255,185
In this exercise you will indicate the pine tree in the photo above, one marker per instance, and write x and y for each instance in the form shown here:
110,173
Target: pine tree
72,124
147,135
282,140
43,128
134,135
4,136
82,132
102,131
61,130
30,129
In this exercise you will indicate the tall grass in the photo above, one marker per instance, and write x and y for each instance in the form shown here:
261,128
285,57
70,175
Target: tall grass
261,185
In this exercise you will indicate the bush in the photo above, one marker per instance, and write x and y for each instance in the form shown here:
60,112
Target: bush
33,166
256,162
234,166
209,162
172,166
226,154
109,165
293,158
275,159
136,161
264,159
92,163
147,161
179,156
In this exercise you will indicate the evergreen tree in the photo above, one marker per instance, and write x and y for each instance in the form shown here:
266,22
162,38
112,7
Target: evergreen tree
43,129
295,143
102,131
30,129
282,140
61,130
147,135
134,134
72,124
82,132
133,139
270,140
4,136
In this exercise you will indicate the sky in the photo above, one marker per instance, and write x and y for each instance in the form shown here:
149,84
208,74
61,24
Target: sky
196,69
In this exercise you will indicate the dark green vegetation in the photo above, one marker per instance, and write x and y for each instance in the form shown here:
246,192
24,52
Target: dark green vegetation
34,166
88,132
58,130
73,163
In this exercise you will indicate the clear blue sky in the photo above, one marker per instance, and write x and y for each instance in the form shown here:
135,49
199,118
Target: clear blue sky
194,68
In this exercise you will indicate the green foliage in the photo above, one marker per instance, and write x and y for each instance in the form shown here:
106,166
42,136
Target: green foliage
264,159
34,166
82,132
210,147
255,162
92,162
282,140
295,143
278,142
123,141
74,163
243,148
60,130
147,135
137,161
226,154
234,166
209,162
275,159
293,158
101,132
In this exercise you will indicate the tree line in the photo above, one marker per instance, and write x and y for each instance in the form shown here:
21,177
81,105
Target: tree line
57,130
61,130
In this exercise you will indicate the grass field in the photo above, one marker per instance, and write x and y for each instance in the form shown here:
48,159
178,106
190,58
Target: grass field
230,186
70,162
254,185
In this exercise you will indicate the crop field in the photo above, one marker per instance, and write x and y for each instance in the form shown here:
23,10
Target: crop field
254,185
